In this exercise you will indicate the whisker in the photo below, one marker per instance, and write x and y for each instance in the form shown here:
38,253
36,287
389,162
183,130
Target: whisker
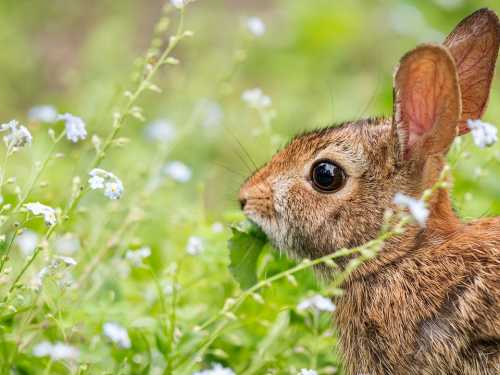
230,170
372,98
241,146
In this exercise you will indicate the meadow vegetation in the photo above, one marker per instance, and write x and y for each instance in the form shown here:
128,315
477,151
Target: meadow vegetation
128,127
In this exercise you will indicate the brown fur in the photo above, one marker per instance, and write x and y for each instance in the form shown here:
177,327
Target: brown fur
429,302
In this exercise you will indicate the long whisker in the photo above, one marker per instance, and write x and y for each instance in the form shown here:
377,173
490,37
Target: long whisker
241,146
230,170
372,98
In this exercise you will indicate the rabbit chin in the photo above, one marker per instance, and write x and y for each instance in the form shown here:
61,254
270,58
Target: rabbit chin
276,233
283,237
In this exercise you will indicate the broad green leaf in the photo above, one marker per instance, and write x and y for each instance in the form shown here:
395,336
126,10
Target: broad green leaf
245,246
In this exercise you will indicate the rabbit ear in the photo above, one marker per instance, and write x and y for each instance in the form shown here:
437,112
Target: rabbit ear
426,102
474,46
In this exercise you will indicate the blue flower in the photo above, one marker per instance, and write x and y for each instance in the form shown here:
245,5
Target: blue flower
75,127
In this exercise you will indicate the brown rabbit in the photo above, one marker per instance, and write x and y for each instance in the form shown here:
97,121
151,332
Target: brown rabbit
429,303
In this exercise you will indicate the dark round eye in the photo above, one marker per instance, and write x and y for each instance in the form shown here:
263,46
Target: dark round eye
326,176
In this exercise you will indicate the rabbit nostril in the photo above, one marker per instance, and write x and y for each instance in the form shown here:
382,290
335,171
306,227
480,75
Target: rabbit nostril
243,202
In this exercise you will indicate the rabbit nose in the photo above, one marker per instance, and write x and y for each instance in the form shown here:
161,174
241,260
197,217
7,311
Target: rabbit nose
243,202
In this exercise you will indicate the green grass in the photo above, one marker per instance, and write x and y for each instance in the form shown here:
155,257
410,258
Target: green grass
321,62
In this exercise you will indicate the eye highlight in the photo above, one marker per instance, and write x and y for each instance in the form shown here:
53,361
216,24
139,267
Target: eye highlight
327,177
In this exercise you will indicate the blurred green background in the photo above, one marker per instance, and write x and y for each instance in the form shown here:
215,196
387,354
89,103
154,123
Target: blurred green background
320,61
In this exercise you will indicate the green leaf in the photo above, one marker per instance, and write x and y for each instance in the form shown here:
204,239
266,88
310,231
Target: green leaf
245,246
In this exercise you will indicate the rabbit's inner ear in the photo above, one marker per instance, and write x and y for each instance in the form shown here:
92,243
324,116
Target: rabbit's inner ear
474,46
426,103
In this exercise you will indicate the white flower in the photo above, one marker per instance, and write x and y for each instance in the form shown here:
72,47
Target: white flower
113,189
161,130
255,98
484,134
194,245
68,261
18,135
96,182
169,287
67,244
43,113
212,113
179,4
416,207
177,171
57,351
306,371
216,369
217,227
318,303
75,127
39,209
256,26
101,179
27,242
117,334
137,256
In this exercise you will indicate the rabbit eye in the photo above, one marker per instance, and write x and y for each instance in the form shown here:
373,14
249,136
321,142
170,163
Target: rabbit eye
327,177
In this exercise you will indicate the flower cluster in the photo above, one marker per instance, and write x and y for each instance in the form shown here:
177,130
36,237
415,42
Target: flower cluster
416,207
316,303
484,134
101,179
43,113
177,171
117,334
137,256
161,130
255,26
306,371
194,245
255,98
217,369
57,351
39,209
18,136
75,127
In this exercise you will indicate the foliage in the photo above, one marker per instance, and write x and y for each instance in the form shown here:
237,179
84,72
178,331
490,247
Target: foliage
143,284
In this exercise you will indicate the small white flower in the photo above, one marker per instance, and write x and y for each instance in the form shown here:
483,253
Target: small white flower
194,245
484,134
256,26
306,371
113,189
96,182
177,171
43,113
169,287
18,135
416,207
117,334
318,303
217,227
101,179
179,4
27,242
211,112
57,351
39,209
67,244
68,261
216,369
255,98
75,127
137,256
161,130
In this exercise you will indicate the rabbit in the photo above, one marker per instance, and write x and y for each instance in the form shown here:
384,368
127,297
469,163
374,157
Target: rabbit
429,302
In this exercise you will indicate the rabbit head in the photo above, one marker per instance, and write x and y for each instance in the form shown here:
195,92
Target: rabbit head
329,188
